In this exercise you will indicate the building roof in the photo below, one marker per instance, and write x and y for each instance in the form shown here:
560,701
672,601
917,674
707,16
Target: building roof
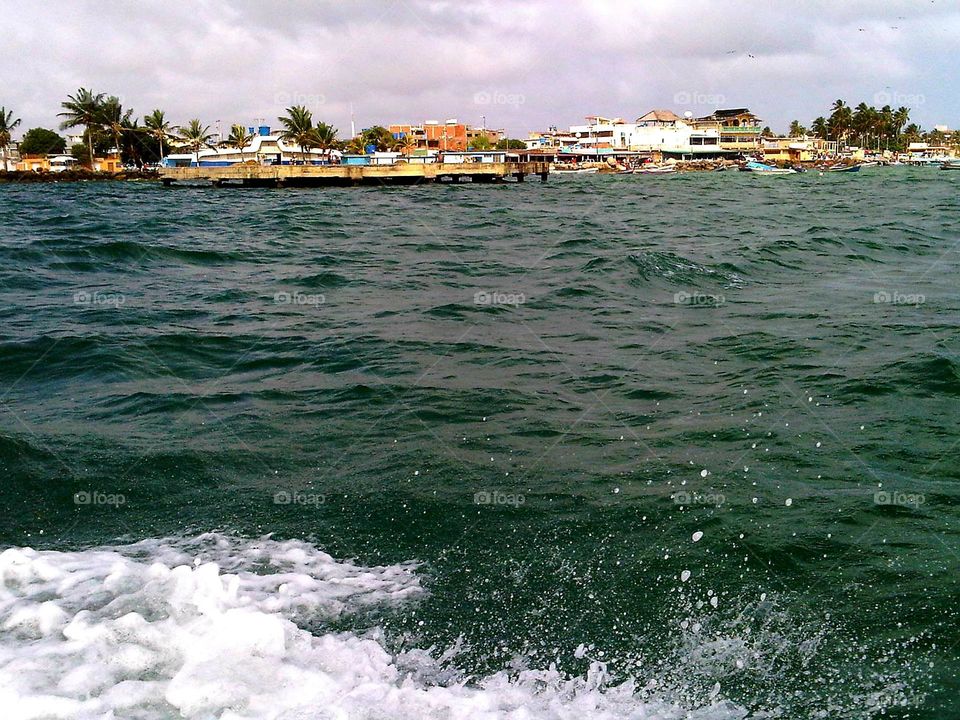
732,112
659,116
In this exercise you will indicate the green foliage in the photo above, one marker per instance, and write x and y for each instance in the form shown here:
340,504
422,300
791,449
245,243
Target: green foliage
511,144
481,142
40,141
81,153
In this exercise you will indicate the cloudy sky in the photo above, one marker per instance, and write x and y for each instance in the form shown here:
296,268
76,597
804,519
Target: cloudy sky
520,64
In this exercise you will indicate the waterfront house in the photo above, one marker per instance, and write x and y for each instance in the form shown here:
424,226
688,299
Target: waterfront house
795,149
739,129
60,163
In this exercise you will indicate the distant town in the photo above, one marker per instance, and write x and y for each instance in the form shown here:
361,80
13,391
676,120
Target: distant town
95,132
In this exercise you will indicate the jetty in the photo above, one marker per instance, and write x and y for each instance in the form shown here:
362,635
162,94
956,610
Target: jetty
256,175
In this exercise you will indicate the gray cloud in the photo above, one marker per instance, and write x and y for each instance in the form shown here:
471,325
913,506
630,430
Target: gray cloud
535,62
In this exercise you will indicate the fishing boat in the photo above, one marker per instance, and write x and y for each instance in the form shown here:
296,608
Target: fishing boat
577,171
951,165
844,168
764,169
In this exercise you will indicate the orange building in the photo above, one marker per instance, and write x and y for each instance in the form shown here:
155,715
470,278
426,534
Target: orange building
450,135
60,163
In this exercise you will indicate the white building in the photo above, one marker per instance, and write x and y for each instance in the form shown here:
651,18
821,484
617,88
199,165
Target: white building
658,131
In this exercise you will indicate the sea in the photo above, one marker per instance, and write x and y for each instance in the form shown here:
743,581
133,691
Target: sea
609,446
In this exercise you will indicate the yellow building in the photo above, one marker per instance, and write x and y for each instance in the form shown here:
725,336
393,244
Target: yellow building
60,163
739,128
793,149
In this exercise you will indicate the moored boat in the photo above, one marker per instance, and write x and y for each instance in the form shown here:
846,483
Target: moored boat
764,169
577,171
844,168
951,165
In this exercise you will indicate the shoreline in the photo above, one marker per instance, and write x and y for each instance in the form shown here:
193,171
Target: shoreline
19,177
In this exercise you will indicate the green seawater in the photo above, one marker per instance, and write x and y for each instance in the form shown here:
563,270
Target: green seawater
698,429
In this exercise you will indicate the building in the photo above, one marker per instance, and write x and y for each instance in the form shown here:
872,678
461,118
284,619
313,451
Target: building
658,132
60,163
739,129
449,135
796,149
265,148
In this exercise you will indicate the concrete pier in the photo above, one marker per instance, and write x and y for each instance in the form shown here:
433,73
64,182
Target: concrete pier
316,175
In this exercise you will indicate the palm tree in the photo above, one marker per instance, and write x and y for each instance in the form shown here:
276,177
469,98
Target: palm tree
820,127
326,137
239,139
298,128
797,130
356,145
7,125
841,119
157,127
900,118
195,136
115,121
83,108
406,144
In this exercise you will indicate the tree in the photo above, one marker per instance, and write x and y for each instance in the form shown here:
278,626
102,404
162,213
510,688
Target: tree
820,127
356,145
378,136
7,125
40,141
326,137
195,136
766,132
83,108
797,130
511,144
841,120
405,144
481,142
239,138
81,153
156,126
298,128
115,121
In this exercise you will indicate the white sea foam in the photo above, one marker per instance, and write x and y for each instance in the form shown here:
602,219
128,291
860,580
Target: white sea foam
213,627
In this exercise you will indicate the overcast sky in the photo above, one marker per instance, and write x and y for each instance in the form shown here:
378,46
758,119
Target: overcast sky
523,65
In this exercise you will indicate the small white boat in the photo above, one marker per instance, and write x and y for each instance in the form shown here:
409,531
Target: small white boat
578,171
764,169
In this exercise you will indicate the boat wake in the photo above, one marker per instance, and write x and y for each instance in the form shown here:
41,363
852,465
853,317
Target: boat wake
218,627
